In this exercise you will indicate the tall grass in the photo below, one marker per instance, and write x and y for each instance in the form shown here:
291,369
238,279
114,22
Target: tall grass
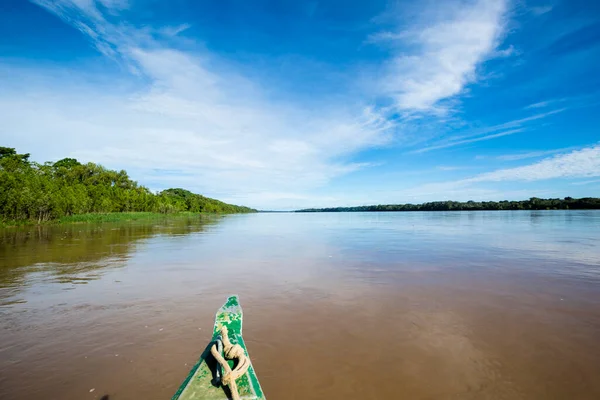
120,217
103,217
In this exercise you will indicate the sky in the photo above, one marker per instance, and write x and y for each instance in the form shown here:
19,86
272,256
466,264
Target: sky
281,105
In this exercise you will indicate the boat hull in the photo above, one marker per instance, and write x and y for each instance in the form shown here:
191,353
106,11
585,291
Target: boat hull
202,381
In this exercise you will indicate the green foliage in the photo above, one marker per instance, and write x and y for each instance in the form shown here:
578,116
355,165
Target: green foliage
534,203
9,152
34,192
197,203
66,163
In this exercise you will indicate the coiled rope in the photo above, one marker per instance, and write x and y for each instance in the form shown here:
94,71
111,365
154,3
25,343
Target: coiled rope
231,352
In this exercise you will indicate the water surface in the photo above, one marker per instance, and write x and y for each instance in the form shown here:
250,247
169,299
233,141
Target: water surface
444,305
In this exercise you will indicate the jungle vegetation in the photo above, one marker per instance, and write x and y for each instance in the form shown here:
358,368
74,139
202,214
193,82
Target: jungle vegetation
534,203
30,191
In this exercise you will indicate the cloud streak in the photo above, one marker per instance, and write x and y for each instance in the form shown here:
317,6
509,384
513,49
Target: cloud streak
531,154
541,10
587,182
466,141
487,133
546,103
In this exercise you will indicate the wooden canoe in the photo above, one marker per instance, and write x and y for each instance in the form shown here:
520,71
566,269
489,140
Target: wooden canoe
202,382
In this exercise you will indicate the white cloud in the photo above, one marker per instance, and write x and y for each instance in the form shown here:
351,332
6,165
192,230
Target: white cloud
218,131
451,39
189,119
576,164
215,142
443,191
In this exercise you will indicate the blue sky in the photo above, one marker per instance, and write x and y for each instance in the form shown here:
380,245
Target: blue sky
289,104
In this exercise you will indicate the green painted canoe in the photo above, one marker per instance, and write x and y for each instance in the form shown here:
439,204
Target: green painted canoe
200,383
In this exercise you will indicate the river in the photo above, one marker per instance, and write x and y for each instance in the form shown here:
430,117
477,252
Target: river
423,305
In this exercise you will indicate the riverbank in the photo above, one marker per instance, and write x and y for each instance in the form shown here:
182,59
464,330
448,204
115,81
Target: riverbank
93,218
534,203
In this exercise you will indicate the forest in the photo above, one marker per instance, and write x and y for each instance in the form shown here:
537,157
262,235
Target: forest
30,191
534,203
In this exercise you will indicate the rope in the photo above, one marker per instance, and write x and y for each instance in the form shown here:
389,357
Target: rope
231,351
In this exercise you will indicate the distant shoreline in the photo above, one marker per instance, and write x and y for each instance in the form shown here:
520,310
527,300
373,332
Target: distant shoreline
534,203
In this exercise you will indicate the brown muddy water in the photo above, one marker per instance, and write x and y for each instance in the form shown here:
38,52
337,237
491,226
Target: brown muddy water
463,305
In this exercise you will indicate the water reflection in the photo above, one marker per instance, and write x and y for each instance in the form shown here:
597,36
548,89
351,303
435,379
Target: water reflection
427,305
78,253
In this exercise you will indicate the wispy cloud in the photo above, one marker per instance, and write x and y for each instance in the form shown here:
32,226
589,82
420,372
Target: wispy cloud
452,143
541,10
91,18
487,133
583,163
110,4
385,36
221,131
539,104
545,103
587,182
576,164
451,40
450,168
197,115
192,118
507,52
174,30
531,154
516,123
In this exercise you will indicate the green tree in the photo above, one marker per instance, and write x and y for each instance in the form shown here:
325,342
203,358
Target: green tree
31,191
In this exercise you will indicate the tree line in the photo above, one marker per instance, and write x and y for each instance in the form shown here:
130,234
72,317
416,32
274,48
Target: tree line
534,203
42,192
